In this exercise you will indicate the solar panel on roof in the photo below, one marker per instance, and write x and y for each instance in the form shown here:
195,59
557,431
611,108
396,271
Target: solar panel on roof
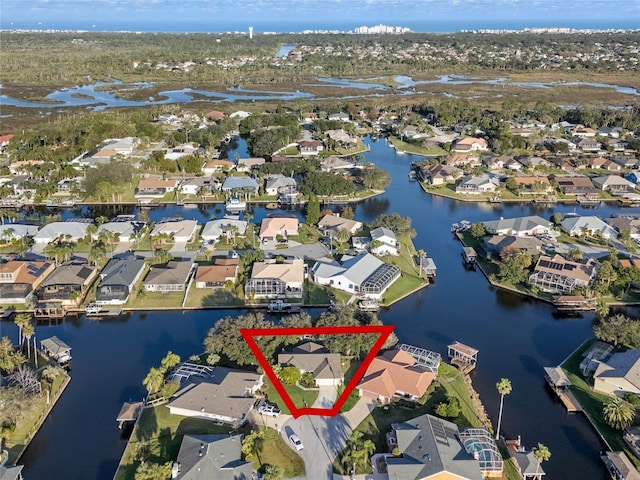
439,431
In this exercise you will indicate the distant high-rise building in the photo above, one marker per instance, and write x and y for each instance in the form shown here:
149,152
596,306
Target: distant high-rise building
250,32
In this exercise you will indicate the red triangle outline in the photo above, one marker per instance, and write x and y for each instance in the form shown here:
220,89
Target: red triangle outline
249,333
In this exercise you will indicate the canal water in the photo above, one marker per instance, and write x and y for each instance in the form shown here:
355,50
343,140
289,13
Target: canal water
516,338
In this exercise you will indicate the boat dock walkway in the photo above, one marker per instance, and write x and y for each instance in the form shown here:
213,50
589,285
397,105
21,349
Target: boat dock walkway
560,383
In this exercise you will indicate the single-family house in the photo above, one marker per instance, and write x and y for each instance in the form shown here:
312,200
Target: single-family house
118,278
340,116
216,165
610,132
70,230
240,184
626,161
67,284
495,244
588,144
217,275
330,164
464,160
395,373
173,277
435,449
272,227
249,164
277,184
533,185
5,139
342,137
154,187
580,131
310,147
215,229
496,162
626,223
313,358
273,280
15,231
472,185
122,146
534,162
513,164
224,395
615,184
439,174
199,186
214,115
590,225
387,243
336,223
470,144
618,374
574,184
560,275
519,226
20,278
202,457
181,230
23,167
127,229
619,466
363,275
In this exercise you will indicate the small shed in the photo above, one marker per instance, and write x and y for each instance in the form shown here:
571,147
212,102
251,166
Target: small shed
56,349
129,413
556,377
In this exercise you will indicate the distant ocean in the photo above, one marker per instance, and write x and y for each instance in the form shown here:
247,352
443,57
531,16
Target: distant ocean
298,25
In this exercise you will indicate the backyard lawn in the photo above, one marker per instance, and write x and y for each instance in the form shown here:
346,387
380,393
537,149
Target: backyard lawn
275,451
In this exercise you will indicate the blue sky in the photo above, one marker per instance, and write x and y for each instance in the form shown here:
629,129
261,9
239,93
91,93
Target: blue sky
302,14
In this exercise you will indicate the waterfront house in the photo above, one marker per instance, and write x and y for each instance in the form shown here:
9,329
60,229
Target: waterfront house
618,374
239,185
533,185
313,358
619,466
560,275
395,373
249,164
626,223
276,184
433,448
70,231
181,230
587,225
472,185
342,137
573,184
217,275
335,223
470,144
519,226
199,186
270,228
20,278
221,395
588,144
215,229
615,184
155,187
170,278
363,275
216,165
310,147
438,174
534,162
340,116
67,284
124,226
464,160
118,278
387,243
272,280
15,231
203,457
330,164
495,244
11,472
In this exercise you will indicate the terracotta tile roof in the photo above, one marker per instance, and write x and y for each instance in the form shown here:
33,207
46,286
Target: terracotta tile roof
156,183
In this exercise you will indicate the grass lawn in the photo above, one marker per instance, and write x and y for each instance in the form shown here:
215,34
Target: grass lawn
399,288
593,402
164,433
275,451
210,297
143,299
417,149
297,395
340,297
349,368
316,294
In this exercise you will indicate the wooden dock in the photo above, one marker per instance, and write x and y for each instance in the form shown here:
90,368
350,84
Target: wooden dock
560,383
569,400
107,312
462,356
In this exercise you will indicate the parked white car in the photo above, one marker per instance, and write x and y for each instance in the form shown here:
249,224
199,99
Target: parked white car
297,443
268,410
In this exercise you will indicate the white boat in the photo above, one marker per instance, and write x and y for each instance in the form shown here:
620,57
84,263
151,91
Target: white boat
93,308
455,227
369,305
235,204
278,306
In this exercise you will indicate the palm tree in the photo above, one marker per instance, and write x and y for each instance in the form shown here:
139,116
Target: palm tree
504,388
421,255
27,332
21,320
154,380
619,413
542,454
91,230
169,361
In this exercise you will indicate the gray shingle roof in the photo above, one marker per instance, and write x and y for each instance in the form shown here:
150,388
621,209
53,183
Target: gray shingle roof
519,224
204,457
121,271
622,365
232,183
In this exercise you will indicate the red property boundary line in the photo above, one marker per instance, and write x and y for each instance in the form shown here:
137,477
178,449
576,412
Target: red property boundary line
249,334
